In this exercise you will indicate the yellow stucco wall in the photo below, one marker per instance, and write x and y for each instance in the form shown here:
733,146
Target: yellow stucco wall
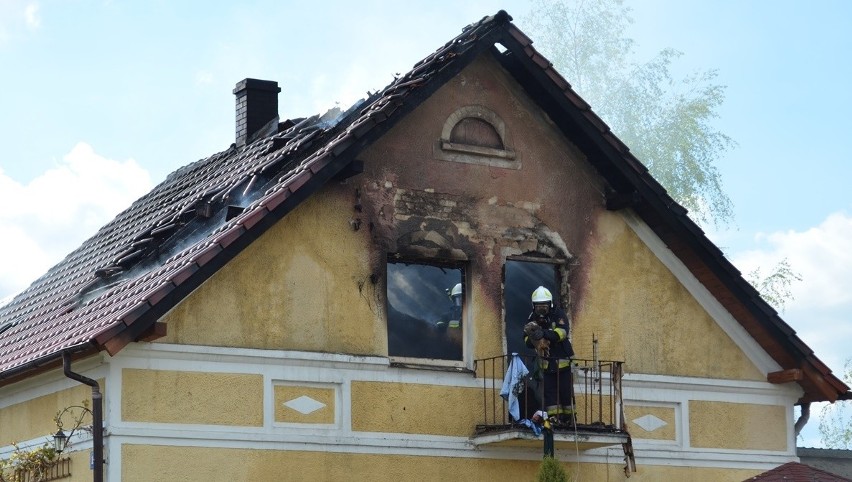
191,397
303,285
666,414
287,393
80,471
33,418
414,408
737,425
146,463
658,473
158,463
642,314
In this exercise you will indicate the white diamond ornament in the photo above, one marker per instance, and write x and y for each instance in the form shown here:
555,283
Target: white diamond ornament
304,404
649,422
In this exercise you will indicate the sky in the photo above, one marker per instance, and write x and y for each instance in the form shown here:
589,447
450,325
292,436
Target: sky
101,99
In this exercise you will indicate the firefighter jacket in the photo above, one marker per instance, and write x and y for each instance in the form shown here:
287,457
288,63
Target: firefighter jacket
557,329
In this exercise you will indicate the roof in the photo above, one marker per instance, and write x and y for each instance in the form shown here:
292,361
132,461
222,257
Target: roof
796,472
111,290
824,453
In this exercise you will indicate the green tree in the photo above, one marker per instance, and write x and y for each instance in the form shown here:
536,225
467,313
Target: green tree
774,288
835,421
551,470
665,121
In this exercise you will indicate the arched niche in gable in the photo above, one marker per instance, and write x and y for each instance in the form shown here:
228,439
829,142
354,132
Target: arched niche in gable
476,135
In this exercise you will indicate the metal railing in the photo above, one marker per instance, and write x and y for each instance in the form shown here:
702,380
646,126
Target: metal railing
596,402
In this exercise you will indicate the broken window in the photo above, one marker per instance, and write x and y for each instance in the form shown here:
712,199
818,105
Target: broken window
424,309
521,279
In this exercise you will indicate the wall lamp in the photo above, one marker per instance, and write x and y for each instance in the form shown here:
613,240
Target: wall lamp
60,440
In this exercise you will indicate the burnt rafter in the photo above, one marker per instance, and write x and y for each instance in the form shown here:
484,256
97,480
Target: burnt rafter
220,202
616,201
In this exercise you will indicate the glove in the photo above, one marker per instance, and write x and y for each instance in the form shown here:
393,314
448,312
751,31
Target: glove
551,335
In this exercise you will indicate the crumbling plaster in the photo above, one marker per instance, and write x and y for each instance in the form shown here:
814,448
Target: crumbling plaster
418,205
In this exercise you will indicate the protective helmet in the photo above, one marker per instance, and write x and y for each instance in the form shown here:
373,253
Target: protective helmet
455,294
542,295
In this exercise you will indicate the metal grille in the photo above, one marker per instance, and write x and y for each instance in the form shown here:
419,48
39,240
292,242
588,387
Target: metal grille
60,470
597,397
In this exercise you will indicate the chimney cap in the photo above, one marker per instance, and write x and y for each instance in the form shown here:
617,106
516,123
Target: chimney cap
257,84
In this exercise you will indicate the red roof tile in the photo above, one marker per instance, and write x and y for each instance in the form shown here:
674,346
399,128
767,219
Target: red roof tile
796,472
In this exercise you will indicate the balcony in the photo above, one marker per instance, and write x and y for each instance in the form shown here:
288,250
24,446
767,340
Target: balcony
597,403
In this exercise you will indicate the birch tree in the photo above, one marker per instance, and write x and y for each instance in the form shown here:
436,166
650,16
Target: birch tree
666,121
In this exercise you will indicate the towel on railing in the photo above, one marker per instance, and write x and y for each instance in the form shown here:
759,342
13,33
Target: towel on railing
512,384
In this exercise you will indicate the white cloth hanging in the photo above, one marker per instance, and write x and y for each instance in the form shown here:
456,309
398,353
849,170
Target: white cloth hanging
511,382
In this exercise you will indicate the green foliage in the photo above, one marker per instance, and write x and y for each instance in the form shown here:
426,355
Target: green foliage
835,421
551,470
666,122
32,465
774,288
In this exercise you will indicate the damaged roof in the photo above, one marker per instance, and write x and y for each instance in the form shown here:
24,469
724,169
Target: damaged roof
113,289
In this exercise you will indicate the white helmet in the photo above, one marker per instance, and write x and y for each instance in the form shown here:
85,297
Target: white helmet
456,291
542,295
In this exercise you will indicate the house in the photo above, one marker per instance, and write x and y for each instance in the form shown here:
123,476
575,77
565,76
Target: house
270,312
836,461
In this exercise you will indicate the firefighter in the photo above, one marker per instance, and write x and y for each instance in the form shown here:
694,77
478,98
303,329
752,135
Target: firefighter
550,323
452,318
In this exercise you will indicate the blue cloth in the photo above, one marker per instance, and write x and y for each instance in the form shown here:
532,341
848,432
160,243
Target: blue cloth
511,382
536,428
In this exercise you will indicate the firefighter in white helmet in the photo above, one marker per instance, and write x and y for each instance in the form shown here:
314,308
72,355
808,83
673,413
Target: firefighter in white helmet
549,322
452,319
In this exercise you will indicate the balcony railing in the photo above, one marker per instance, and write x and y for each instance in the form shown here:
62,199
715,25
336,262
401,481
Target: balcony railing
598,419
597,393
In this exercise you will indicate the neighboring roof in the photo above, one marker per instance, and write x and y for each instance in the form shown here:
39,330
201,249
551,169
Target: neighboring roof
826,453
836,461
796,472
112,289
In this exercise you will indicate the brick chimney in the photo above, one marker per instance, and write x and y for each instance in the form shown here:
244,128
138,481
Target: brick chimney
257,107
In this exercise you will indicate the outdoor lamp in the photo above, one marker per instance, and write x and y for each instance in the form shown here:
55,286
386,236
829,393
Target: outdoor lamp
60,440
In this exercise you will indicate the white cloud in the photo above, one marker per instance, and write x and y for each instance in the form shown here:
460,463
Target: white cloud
821,308
32,17
16,16
822,255
203,77
44,220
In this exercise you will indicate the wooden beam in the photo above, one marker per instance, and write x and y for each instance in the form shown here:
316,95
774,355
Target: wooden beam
785,376
157,330
616,201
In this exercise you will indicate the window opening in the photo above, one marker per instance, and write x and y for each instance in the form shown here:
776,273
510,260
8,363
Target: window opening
425,310
521,279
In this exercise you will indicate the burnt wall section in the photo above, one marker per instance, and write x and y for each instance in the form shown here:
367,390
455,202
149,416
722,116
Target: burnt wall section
417,203
433,224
